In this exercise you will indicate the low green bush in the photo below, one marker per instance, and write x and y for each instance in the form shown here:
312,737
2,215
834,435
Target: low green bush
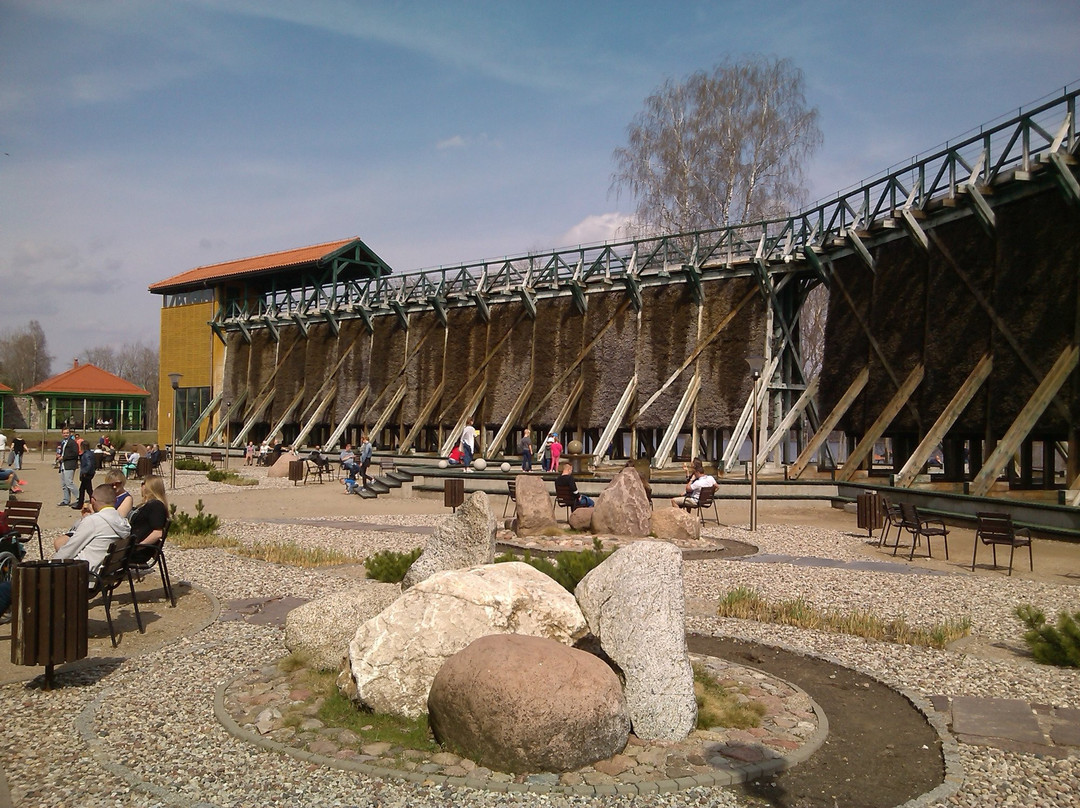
389,566
197,525
1052,645
229,477
569,567
194,465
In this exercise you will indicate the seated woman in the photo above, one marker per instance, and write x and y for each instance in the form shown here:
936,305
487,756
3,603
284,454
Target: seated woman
149,519
457,456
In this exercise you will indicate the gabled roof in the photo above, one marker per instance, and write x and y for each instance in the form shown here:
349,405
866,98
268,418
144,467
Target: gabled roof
351,252
87,380
5,389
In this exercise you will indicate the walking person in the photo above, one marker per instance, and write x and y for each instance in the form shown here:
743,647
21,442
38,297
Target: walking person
468,443
525,447
68,458
556,450
87,468
18,448
365,459
249,454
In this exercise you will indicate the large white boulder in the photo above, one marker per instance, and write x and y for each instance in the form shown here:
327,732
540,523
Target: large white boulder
465,539
634,604
394,656
321,628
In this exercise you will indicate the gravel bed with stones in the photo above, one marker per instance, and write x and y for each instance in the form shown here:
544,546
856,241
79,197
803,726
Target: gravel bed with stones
281,707
142,732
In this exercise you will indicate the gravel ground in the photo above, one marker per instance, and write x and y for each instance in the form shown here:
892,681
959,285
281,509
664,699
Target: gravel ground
142,732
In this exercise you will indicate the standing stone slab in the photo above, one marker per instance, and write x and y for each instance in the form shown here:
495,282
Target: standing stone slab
623,508
465,539
394,656
532,508
634,604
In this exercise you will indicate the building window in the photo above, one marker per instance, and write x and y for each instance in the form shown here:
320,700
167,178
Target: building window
188,298
190,403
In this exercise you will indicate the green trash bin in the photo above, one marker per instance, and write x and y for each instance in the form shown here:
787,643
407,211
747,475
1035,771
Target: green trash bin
49,613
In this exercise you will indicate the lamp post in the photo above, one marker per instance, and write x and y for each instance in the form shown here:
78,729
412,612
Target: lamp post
756,363
174,380
228,406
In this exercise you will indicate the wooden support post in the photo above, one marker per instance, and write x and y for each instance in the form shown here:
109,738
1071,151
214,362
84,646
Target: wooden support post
788,421
660,459
1020,427
943,424
866,445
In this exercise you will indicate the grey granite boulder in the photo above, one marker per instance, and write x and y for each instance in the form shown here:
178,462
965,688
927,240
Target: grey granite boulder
525,704
634,604
623,509
465,539
322,628
675,524
532,511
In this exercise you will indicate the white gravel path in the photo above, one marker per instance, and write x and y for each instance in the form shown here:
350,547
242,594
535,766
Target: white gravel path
145,734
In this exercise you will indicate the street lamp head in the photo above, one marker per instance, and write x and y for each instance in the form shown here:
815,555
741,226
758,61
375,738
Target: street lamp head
756,363
174,380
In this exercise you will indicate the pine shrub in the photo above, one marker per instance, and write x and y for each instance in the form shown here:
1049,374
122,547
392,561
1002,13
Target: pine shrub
569,567
389,566
1052,645
198,525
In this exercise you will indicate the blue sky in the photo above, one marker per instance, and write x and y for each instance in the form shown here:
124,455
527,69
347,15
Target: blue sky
141,139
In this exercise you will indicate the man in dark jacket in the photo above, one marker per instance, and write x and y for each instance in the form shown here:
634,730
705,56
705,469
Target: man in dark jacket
69,459
87,467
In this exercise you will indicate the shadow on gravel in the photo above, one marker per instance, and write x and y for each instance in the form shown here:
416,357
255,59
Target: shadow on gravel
881,752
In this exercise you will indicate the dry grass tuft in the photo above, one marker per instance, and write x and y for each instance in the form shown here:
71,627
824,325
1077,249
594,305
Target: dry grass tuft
748,604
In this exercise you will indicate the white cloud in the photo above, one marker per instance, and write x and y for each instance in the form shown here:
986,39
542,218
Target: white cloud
597,227
455,142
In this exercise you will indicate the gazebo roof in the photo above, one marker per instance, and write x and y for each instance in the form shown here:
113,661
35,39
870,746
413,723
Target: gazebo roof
88,380
5,389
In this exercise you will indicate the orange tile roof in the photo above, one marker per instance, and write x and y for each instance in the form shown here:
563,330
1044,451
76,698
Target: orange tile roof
5,389
200,276
87,380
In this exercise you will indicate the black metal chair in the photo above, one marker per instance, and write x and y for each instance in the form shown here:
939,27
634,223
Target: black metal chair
114,569
921,527
998,528
893,519
144,557
706,499
511,495
564,498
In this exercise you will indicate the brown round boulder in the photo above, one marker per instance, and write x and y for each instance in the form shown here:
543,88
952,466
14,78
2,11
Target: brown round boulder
524,704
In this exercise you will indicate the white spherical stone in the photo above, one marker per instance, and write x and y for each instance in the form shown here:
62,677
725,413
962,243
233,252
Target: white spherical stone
479,464
443,464
505,468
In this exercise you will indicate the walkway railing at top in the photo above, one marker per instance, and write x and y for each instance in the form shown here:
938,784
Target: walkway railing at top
980,160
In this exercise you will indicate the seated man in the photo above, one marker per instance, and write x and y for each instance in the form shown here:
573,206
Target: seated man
348,461
698,480
91,538
566,478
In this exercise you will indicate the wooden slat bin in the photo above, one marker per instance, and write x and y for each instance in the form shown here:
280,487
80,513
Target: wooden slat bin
49,613
868,511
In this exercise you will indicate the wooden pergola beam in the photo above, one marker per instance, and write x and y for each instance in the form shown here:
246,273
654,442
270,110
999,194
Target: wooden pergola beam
877,429
829,424
1022,425
979,374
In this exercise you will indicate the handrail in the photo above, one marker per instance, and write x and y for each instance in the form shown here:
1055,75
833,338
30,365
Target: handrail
980,160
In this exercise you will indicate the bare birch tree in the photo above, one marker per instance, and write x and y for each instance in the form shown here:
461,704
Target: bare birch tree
719,148
24,357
